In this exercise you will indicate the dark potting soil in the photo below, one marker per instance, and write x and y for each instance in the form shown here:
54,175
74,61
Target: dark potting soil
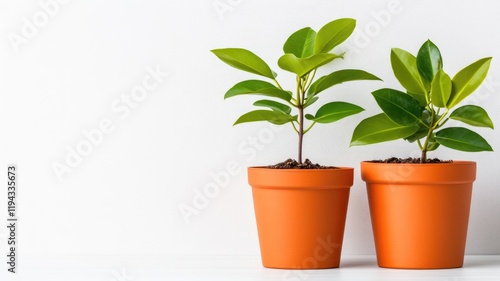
410,160
293,164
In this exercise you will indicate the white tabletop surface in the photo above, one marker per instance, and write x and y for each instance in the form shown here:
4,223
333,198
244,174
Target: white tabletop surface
115,268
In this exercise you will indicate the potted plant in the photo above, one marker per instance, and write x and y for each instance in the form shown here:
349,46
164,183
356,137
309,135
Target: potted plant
420,207
300,207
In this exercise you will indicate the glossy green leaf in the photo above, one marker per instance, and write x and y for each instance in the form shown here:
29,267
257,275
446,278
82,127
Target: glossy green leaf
257,87
301,43
433,146
467,80
310,101
245,60
275,117
429,61
419,97
423,129
302,66
462,139
335,111
332,34
338,77
274,105
404,66
472,115
419,134
400,107
440,89
380,128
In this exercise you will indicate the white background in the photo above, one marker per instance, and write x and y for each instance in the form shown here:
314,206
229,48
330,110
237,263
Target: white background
70,70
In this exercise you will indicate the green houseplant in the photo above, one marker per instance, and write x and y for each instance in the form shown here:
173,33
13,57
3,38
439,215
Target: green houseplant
420,210
294,207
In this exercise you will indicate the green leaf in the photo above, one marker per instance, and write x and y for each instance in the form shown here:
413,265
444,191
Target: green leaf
257,87
420,133
404,66
334,111
462,139
274,105
400,107
301,43
433,146
380,128
309,101
472,115
419,97
275,117
302,66
440,89
429,61
423,129
245,60
338,77
332,34
467,80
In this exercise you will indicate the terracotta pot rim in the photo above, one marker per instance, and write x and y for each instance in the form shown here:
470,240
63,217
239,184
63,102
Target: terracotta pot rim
263,177
338,168
454,162
415,173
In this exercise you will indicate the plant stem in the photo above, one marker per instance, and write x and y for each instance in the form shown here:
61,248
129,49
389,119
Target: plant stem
309,78
423,157
432,126
301,85
277,83
300,132
419,145
309,128
294,127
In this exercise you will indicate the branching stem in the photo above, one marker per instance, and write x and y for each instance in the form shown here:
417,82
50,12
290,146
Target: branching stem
432,127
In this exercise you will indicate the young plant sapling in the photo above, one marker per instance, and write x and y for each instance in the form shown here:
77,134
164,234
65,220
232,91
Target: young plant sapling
305,51
419,114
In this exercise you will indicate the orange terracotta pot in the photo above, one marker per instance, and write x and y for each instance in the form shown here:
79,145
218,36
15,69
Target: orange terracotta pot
419,212
300,215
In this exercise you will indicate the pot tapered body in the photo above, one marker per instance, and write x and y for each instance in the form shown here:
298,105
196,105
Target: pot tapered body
300,215
419,212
